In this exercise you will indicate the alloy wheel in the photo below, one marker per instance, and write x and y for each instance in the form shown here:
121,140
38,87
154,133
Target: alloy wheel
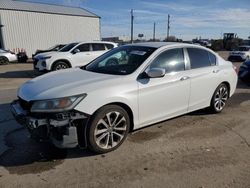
221,97
110,130
61,66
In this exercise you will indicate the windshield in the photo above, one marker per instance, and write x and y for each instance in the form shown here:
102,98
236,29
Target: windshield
68,47
121,61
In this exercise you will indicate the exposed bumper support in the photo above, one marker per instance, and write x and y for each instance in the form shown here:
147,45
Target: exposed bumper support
60,130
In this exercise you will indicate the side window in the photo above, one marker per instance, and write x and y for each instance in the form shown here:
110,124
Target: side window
98,47
171,60
109,46
198,58
212,58
83,48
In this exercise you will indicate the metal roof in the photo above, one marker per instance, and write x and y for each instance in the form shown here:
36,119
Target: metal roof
45,8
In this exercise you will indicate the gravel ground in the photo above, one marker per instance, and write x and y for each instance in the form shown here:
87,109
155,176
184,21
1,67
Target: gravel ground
194,150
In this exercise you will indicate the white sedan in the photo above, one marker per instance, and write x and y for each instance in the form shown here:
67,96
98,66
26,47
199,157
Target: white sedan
125,89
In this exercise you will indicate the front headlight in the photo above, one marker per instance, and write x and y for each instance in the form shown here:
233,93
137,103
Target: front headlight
57,105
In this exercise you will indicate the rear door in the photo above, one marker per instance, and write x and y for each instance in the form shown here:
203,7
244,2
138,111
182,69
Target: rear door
204,74
97,50
162,98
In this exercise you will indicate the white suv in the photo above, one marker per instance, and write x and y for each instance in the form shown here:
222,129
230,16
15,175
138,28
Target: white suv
242,54
72,55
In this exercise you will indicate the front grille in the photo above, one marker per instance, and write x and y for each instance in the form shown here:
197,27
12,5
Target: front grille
24,104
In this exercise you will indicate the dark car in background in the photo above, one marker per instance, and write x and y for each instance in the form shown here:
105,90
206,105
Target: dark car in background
244,72
51,49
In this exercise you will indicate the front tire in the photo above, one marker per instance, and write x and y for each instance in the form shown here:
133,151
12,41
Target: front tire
60,65
4,60
219,99
108,128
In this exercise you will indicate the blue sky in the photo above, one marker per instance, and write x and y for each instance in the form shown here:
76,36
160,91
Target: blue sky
189,18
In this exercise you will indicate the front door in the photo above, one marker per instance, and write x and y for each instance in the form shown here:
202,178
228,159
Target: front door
83,56
166,97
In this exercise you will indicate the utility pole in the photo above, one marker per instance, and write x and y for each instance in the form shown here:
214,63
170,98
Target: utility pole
168,26
154,33
132,25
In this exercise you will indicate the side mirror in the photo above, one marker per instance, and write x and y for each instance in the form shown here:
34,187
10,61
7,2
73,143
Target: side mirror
75,51
156,72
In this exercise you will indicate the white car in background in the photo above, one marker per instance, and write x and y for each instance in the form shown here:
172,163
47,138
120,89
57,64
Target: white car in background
241,54
71,56
128,88
7,56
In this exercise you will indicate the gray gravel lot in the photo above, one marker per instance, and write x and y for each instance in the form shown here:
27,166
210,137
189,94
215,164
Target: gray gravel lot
194,150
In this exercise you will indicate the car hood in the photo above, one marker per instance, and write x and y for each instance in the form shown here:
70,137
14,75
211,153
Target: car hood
63,83
45,54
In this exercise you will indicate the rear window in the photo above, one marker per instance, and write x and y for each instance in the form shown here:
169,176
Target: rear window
198,58
212,58
109,46
98,47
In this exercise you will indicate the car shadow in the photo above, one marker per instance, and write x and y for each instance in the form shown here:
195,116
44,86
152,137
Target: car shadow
18,74
243,85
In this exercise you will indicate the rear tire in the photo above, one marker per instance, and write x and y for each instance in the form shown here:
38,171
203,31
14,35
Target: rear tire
59,65
107,129
4,60
219,99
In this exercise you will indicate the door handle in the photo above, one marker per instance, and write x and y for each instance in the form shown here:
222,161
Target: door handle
216,71
184,78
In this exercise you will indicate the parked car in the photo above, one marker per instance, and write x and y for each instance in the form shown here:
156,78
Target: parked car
241,54
72,55
7,56
244,72
51,49
128,88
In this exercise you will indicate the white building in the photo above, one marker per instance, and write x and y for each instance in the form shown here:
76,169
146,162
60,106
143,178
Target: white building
32,26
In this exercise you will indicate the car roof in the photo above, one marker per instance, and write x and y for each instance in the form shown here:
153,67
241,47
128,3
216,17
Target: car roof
162,44
101,42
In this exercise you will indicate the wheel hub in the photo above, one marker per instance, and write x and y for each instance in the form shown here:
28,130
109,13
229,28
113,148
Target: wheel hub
110,130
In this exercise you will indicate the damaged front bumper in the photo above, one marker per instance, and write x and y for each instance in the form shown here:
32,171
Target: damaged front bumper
64,130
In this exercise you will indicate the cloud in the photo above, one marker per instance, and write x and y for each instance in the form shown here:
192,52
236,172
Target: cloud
171,6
